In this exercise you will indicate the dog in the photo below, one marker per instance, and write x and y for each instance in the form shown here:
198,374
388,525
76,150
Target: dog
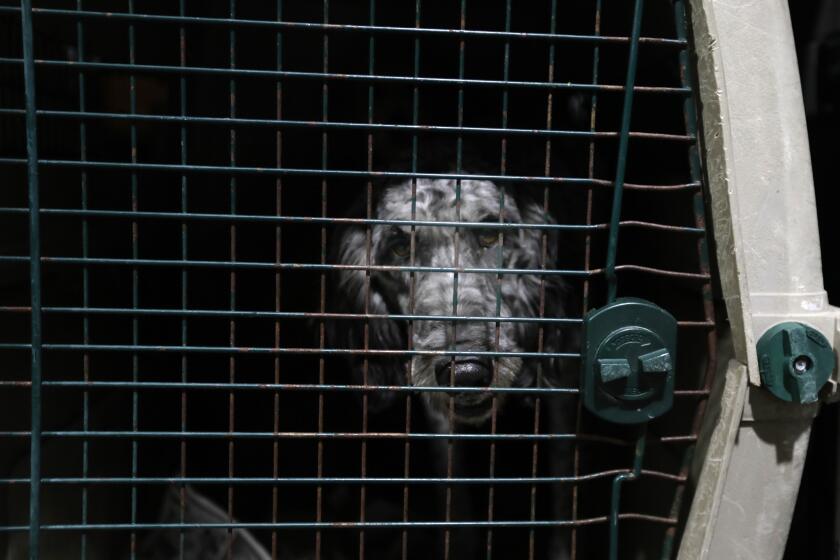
479,294
414,274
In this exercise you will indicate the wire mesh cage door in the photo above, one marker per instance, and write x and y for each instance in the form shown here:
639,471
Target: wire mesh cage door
308,280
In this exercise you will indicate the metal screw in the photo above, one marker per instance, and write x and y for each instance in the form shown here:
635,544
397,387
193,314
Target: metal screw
802,364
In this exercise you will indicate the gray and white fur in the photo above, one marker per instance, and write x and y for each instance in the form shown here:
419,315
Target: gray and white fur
434,293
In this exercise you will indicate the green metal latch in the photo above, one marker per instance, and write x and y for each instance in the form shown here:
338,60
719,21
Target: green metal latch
629,356
794,361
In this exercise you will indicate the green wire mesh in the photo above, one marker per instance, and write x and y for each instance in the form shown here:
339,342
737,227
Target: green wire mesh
174,174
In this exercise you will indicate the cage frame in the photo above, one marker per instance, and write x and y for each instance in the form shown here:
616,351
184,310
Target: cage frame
751,310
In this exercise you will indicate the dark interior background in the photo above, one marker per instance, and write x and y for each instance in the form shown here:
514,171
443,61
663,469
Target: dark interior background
650,162
816,28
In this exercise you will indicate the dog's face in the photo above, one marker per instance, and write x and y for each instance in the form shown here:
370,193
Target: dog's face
433,293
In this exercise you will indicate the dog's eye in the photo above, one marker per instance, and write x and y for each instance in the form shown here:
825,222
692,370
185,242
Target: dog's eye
487,237
401,247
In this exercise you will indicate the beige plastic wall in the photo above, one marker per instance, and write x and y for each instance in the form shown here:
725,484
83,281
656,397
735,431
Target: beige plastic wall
767,243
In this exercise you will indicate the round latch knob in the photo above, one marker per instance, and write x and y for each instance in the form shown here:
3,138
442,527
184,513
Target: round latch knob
794,361
629,356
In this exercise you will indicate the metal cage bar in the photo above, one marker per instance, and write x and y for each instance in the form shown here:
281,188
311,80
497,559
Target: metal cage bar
326,76
593,117
278,279
135,278
184,328
34,277
612,248
289,25
80,46
184,366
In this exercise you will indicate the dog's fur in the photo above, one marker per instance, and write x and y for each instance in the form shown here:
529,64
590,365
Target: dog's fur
435,293
478,294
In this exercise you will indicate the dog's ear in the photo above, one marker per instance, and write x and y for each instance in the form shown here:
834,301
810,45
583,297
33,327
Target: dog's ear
556,291
351,289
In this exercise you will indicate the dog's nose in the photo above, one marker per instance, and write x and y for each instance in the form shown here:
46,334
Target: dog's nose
469,372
